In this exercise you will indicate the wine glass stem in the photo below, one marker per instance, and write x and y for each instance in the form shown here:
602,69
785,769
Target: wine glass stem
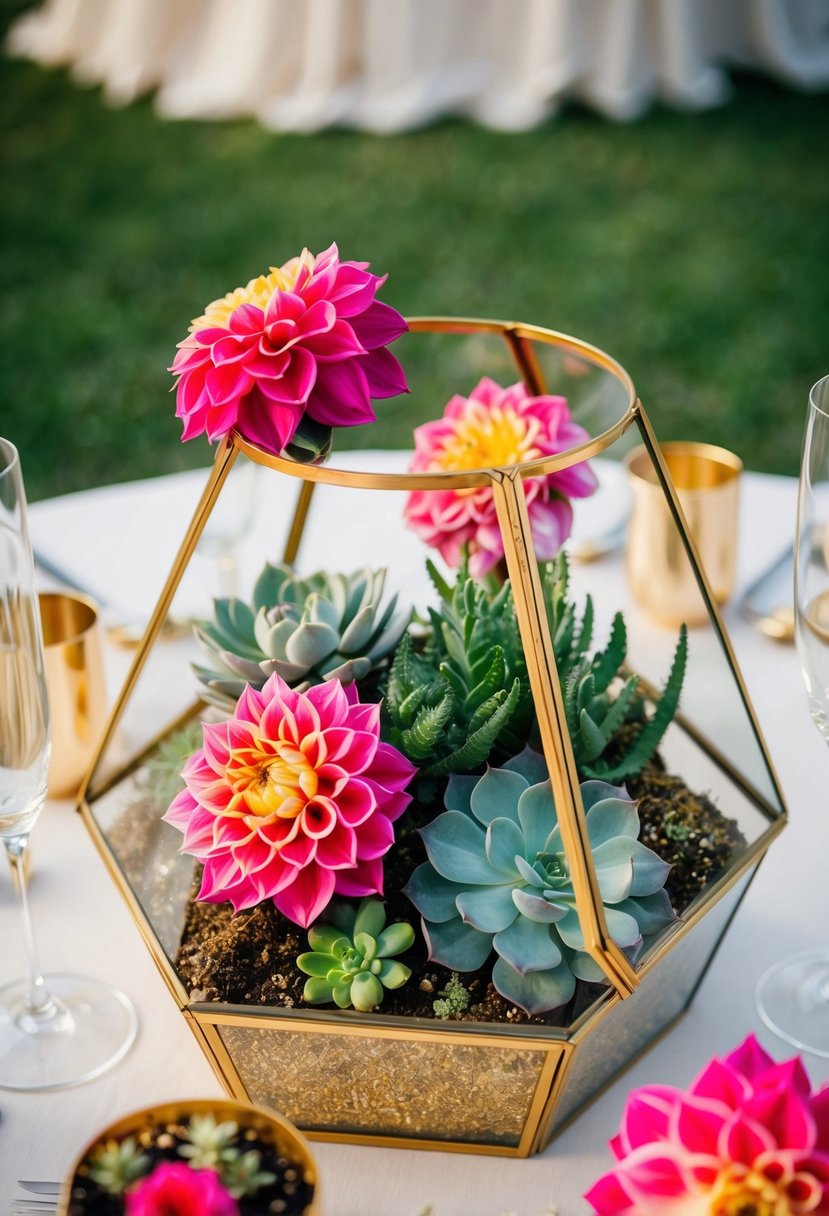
39,1003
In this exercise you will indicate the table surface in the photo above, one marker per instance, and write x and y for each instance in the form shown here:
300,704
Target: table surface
119,541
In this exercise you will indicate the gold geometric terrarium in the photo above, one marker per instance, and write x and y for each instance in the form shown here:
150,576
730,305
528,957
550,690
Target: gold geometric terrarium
507,1086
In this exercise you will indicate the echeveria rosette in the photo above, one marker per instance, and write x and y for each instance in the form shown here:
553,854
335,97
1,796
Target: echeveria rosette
491,428
497,879
306,341
351,960
310,629
174,1189
292,799
747,1137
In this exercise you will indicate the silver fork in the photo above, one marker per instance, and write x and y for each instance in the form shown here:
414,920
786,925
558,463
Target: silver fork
42,1197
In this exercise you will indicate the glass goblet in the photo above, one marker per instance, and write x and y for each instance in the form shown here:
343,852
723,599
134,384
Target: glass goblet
58,1030
793,995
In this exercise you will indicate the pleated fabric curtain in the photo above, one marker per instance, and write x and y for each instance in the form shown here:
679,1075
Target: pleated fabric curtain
392,65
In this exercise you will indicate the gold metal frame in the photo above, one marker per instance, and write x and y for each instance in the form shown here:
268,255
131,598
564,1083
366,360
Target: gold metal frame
560,1045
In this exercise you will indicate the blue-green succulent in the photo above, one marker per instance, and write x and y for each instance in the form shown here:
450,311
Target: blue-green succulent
310,629
498,879
351,957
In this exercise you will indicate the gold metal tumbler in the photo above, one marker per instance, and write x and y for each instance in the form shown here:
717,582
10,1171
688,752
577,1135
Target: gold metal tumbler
706,479
75,684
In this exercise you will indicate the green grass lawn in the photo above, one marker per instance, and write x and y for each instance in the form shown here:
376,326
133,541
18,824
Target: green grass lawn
694,248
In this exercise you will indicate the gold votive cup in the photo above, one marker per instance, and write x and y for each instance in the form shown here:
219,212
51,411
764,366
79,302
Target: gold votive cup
75,684
662,581
273,1129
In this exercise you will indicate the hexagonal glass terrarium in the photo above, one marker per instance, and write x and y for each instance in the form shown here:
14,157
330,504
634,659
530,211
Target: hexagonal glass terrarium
579,919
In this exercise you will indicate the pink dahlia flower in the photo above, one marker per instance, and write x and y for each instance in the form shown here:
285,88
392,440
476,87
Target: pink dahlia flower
308,338
748,1138
495,427
173,1189
292,799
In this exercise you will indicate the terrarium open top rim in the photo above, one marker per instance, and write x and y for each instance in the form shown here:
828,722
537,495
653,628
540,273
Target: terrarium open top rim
519,338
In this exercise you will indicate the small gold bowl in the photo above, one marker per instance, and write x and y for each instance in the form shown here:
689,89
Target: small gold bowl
273,1129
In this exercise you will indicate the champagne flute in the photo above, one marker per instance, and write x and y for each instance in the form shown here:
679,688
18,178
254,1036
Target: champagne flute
793,995
58,1030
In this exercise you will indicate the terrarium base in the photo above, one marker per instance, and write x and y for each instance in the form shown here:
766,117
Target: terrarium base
249,958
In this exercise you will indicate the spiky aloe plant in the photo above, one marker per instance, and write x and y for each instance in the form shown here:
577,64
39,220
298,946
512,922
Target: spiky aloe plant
307,629
600,700
465,697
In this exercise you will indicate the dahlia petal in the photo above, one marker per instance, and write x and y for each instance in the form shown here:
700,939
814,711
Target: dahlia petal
284,306
749,1059
743,1140
246,319
269,424
338,850
375,839
365,879
296,382
384,374
608,1196
268,366
298,852
229,350
356,802
180,810
341,395
378,325
786,1117
307,897
718,1080
699,1126
338,342
646,1116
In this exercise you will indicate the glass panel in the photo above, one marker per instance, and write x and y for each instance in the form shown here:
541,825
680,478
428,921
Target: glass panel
388,1087
460,702
633,1023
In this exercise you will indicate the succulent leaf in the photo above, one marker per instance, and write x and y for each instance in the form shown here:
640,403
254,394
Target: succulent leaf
306,629
497,878
350,962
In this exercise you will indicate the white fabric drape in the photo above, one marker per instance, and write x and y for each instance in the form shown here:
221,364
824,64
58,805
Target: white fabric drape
390,65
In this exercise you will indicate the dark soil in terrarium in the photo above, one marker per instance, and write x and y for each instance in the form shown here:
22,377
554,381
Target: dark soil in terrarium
289,1195
248,958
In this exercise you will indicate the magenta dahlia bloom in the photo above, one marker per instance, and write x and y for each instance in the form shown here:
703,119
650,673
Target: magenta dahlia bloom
308,338
492,428
748,1138
292,799
174,1189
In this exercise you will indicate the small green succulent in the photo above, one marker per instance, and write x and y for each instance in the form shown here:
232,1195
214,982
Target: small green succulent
599,699
214,1146
242,1175
307,629
210,1144
498,879
352,959
117,1164
453,1000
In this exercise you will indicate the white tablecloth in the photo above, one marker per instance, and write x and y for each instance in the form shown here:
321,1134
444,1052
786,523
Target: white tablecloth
83,925
388,65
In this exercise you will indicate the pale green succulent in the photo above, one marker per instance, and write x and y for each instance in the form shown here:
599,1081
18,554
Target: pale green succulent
498,879
242,1175
351,958
117,1164
307,630
209,1143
